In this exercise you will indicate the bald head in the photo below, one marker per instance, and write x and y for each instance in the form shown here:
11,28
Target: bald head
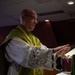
28,18
28,12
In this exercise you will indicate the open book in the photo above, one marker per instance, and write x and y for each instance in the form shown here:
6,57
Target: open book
64,73
70,53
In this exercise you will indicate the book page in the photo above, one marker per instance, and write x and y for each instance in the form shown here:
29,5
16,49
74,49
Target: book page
70,53
64,73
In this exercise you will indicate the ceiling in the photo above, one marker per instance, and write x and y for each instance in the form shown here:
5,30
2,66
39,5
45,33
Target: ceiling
54,10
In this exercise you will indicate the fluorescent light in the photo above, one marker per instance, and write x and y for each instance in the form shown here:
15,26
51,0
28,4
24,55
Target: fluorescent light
70,2
46,20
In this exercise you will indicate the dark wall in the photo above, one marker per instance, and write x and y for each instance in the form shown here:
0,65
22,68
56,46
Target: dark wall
4,31
45,33
64,31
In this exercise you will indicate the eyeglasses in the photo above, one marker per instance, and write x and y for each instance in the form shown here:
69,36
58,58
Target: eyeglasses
32,17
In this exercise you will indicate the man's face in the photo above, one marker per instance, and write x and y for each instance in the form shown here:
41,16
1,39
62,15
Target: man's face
30,22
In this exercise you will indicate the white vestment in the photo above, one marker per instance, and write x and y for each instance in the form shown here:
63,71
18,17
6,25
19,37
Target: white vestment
18,52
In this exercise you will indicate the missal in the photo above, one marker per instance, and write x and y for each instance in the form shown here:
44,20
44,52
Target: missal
70,53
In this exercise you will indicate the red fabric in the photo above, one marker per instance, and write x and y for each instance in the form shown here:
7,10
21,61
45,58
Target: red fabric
45,33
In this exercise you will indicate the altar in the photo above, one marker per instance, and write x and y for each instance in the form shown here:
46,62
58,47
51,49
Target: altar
68,66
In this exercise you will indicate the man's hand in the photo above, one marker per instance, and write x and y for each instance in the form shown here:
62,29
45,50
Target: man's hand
61,50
